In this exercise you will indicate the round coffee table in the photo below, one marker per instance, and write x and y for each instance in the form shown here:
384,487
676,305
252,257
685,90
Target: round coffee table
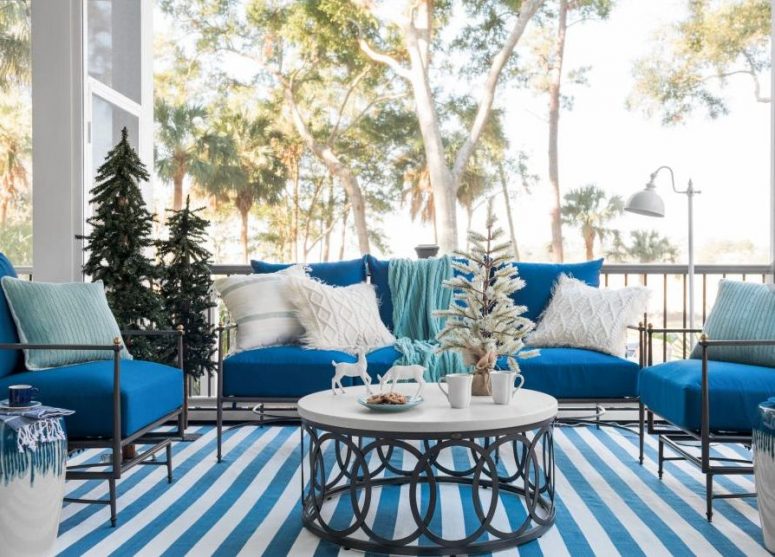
354,451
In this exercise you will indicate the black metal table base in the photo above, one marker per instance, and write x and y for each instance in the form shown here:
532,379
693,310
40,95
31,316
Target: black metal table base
348,466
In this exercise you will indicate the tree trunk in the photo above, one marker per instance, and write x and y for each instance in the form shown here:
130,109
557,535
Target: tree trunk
509,214
337,168
554,124
589,242
244,202
442,182
4,210
177,189
296,212
328,222
345,218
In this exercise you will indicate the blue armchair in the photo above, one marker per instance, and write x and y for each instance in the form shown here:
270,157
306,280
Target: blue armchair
117,402
703,401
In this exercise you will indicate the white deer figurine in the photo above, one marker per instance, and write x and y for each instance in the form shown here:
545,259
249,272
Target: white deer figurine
396,373
346,369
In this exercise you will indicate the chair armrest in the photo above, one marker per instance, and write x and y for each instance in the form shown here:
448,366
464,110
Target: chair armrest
152,333
116,347
740,342
650,329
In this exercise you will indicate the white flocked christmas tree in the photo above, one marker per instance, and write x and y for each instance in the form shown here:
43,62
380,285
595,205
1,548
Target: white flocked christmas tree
483,323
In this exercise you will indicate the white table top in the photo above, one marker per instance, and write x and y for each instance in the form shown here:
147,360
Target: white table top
434,415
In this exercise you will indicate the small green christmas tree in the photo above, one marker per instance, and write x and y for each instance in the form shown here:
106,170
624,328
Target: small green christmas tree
186,287
483,322
118,243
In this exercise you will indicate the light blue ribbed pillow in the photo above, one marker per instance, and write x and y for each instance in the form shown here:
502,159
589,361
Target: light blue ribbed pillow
68,313
743,311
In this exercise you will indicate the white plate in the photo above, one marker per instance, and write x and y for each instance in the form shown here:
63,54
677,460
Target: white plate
411,402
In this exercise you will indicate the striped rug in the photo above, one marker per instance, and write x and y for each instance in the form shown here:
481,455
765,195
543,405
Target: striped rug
249,504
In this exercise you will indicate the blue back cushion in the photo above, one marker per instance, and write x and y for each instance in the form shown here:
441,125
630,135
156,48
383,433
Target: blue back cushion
335,273
9,359
540,279
379,271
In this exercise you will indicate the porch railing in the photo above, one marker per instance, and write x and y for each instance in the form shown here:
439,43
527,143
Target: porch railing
668,306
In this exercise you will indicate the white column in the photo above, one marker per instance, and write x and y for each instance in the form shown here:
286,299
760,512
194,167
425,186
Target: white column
57,139
772,150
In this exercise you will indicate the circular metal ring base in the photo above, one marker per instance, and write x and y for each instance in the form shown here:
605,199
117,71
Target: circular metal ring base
352,466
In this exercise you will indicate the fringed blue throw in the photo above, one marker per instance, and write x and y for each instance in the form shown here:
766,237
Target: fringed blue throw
416,289
48,456
40,424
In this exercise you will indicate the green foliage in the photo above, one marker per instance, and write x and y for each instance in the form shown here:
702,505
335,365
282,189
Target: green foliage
186,287
15,40
178,148
693,59
645,246
590,209
118,244
483,320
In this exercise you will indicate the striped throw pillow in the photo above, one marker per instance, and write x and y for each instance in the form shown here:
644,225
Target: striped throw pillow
742,311
260,307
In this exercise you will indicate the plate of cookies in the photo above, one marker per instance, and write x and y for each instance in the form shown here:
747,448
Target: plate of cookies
390,402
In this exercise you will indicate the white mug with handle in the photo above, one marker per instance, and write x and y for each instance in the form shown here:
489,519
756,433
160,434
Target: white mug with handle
459,389
503,389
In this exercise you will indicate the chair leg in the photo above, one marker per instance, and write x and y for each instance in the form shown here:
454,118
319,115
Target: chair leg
709,496
661,457
219,428
641,431
112,490
169,462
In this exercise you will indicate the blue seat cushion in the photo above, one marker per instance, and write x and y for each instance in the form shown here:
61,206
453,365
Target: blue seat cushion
578,373
379,271
540,279
293,371
335,273
149,391
10,360
672,390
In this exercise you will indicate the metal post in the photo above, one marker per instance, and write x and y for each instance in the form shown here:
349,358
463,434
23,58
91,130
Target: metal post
705,428
690,192
219,393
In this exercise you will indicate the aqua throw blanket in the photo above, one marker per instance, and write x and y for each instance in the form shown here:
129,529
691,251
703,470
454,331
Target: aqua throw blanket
416,289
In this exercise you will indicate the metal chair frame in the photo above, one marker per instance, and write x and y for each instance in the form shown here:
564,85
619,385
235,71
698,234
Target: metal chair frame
116,443
677,437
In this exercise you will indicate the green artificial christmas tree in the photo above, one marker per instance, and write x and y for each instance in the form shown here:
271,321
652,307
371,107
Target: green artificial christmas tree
483,323
186,287
118,244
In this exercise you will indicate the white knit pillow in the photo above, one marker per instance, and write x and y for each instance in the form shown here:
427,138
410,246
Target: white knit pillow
581,316
338,317
260,306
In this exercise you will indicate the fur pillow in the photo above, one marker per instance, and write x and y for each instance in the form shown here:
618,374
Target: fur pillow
581,316
338,318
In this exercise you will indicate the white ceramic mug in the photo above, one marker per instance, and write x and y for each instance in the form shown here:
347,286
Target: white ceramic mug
459,389
503,389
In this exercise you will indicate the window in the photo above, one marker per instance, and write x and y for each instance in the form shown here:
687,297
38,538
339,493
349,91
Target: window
15,132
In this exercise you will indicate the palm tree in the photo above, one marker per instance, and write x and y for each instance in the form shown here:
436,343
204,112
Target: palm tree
646,246
15,149
590,209
14,43
245,165
178,151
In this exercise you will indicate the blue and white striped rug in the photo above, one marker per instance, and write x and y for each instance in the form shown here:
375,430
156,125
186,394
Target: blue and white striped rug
249,504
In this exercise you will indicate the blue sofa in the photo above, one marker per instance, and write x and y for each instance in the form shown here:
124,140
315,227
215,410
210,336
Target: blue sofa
286,373
117,402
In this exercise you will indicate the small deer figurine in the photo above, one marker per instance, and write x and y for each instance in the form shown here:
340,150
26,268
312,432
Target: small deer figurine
346,369
396,373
